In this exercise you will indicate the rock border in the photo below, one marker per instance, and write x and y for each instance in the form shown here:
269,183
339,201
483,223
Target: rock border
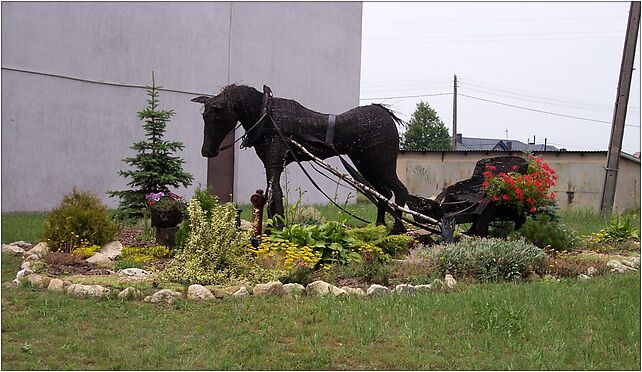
197,292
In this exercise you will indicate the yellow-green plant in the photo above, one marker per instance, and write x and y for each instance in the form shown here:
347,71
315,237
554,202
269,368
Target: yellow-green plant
144,254
286,254
86,251
215,251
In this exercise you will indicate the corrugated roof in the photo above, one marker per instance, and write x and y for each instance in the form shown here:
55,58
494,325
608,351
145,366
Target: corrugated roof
623,154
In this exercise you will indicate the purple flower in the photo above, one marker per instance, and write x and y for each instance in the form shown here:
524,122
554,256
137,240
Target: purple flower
154,196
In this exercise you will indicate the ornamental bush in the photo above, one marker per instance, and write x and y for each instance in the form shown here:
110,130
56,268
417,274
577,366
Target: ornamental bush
81,219
489,259
543,231
215,251
144,254
207,202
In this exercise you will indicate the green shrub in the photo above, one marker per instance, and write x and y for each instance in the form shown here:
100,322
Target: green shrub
80,219
144,254
542,232
207,202
216,251
395,245
123,264
490,259
369,233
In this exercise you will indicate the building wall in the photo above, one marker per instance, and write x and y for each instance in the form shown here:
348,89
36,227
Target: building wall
59,133
579,185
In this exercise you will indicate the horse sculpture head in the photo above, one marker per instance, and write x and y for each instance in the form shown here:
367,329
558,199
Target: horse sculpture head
220,118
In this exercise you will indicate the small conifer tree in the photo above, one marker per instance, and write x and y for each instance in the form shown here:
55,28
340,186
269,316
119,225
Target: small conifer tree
154,167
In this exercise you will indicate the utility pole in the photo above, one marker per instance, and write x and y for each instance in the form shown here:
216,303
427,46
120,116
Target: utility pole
455,114
619,114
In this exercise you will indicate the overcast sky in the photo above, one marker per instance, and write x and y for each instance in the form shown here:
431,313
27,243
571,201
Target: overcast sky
562,58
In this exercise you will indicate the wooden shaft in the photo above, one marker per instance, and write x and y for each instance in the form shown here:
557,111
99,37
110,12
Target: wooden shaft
357,184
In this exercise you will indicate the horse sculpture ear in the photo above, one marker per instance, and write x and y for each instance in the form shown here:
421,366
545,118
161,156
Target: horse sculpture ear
201,99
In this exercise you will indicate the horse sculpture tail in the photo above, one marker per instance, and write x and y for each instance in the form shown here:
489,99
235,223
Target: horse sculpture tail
395,118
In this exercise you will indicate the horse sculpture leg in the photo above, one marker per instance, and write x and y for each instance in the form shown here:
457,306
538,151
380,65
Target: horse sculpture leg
274,194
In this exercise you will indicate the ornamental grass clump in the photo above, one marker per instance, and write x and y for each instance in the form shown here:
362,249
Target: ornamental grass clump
215,251
490,259
525,192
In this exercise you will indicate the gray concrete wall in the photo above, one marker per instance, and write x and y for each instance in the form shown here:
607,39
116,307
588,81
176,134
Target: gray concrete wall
310,52
59,133
579,185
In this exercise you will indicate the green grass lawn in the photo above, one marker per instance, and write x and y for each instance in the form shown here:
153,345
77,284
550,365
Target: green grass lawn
545,325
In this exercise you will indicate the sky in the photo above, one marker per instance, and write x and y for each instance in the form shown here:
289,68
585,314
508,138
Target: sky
562,58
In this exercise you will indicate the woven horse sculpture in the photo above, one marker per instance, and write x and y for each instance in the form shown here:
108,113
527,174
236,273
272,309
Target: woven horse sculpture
366,134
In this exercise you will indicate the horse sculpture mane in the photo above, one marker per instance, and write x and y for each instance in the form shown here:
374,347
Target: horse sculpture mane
366,134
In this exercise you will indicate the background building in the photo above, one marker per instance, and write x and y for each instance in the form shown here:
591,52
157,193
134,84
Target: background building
73,77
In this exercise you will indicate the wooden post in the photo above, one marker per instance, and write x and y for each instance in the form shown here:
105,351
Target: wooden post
619,114
455,114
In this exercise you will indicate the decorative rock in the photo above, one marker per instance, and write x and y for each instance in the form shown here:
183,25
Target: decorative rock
130,293
41,249
293,289
25,265
450,281
318,288
423,288
9,285
336,291
32,258
22,244
405,289
112,249
133,272
354,291
101,260
618,267
628,264
198,292
636,262
591,271
36,280
88,290
21,274
242,292
164,295
268,289
437,284
13,249
246,225
56,285
377,290
532,277
583,276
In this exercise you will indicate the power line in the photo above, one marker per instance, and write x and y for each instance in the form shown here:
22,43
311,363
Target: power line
540,111
533,94
412,96
542,101
122,85
492,35
492,19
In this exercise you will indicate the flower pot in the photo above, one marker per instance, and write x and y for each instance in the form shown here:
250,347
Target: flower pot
169,218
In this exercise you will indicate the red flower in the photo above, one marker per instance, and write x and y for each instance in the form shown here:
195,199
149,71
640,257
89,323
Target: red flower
485,184
552,195
495,198
506,197
532,210
514,168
